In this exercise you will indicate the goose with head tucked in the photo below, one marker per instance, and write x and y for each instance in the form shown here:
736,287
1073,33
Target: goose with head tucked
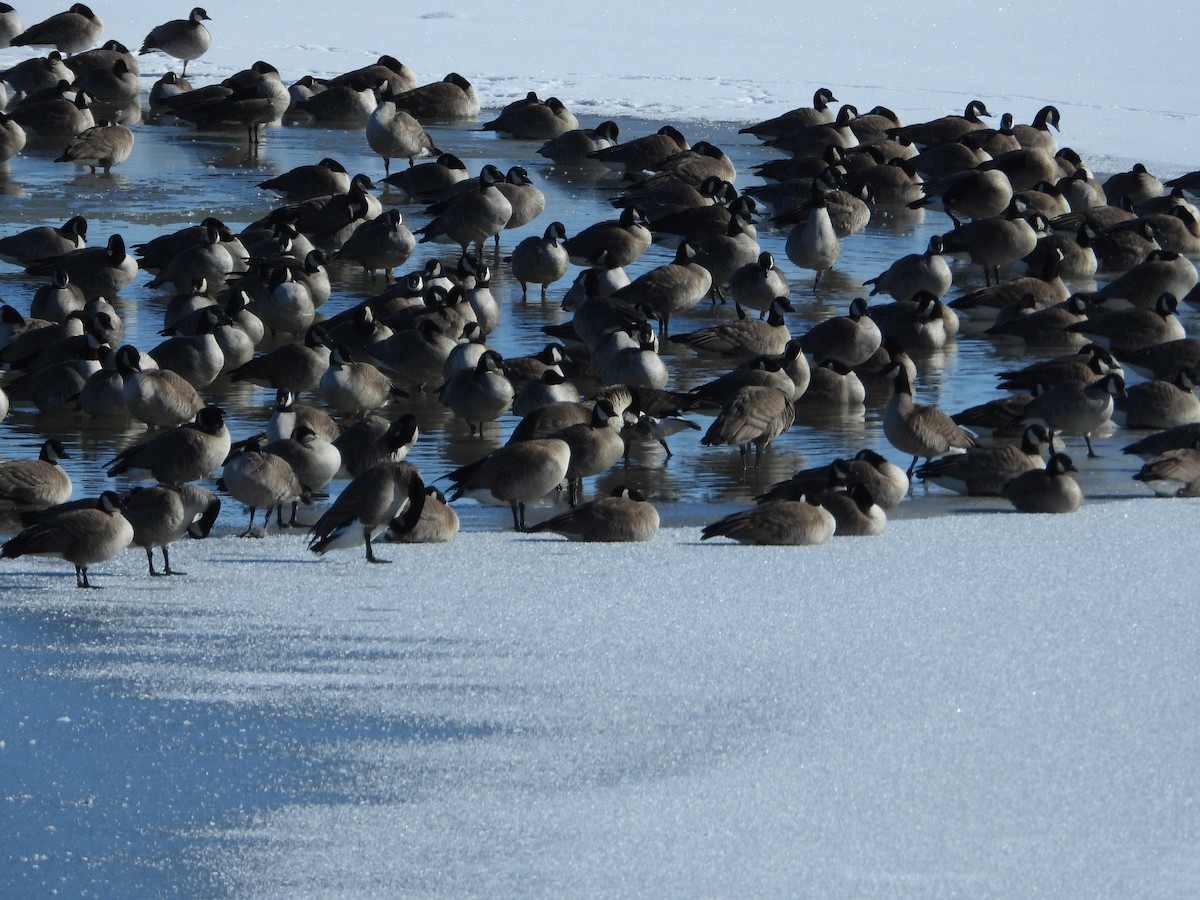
164,513
388,494
517,473
624,516
1053,489
182,454
81,536
792,523
69,32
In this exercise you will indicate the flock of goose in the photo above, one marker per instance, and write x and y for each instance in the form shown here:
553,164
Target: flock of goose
1032,216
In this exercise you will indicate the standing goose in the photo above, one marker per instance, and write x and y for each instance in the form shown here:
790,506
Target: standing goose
1053,489
373,499
673,288
793,523
997,241
517,473
259,479
37,482
382,243
184,39
480,394
541,260
374,439
162,514
353,387
596,446
623,239
396,134
314,459
752,415
623,516
743,338
755,286
1077,407
100,147
186,453
69,32
915,429
1134,329
474,217
78,536
814,244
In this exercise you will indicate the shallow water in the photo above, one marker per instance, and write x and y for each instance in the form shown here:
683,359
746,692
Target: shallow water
176,176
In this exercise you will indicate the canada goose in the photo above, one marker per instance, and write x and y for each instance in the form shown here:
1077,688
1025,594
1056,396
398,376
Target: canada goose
1133,329
287,415
169,85
574,147
623,239
480,394
99,147
296,367
342,104
518,473
197,358
314,459
37,482
672,288
374,498
1076,407
451,98
1046,288
855,512
382,243
114,84
921,325
984,471
534,120
44,241
12,137
396,134
973,194
1173,473
425,180
1090,363
800,117
884,480
723,254
996,241
69,32
1053,489
374,439
387,68
831,384
78,536
414,355
757,284
97,271
1077,257
916,272
944,160
1159,403
58,299
917,429
550,387
814,244
595,447
32,77
1136,186
1042,327
103,57
623,516
474,217
252,98
437,524
185,453
60,117
947,128
162,514
776,522
541,260
159,397
850,339
255,478
55,386
1161,272
308,181
642,153
751,415
354,387
1165,359
743,338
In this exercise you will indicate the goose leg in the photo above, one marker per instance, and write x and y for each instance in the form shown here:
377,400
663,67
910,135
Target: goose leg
150,560
167,570
371,557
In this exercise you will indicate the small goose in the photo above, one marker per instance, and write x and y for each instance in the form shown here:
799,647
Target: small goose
752,415
1159,403
162,514
183,39
984,471
437,524
1173,473
742,338
1076,407
396,134
258,479
850,339
623,516
186,453
917,429
776,522
82,537
69,32
517,473
387,494
1053,489
541,260
37,482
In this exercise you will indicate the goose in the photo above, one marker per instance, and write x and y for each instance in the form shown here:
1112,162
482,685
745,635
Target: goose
168,85
309,181
354,387
595,447
916,429
1159,403
1165,359
1053,489
672,288
115,84
287,415
944,160
914,273
550,387
82,537
922,325
756,285
724,254
623,239
657,429
396,134
624,516
517,473
451,98
1161,272
100,147
162,514
415,356
850,339
33,77
37,482
525,198
382,243
800,117
474,217
376,497
534,120
374,439
947,128
1174,472
1133,329
1042,327
642,153
197,358
885,481
800,523
159,397
815,140
997,241
255,478
987,303
68,32
210,261
541,260
574,147
314,459
1077,257
1076,407
179,455
58,299
387,70
44,241
437,524
751,415
12,137
425,180
637,364
742,338
296,367
55,386
97,271
58,117
480,394
814,244
831,384
1037,134
855,512
973,194
984,471
1090,363
1135,185
349,106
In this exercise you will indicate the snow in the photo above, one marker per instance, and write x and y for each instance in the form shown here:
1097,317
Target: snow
977,703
